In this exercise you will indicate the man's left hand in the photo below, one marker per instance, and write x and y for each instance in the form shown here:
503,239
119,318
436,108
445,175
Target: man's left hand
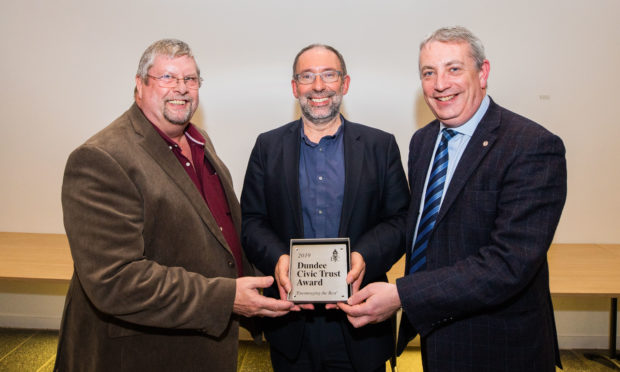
358,269
355,276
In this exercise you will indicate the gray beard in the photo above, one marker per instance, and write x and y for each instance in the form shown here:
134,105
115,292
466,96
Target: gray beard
319,119
182,121
334,110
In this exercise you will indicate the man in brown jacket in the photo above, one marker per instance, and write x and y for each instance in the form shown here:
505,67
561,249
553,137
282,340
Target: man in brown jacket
153,221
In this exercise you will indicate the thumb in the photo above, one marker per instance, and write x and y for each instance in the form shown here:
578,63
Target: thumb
263,281
353,274
358,297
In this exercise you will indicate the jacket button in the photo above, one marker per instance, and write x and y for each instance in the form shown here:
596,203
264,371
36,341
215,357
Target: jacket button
231,264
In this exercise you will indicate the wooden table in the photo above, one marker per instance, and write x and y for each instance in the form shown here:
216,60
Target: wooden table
588,270
35,256
584,269
575,269
30,256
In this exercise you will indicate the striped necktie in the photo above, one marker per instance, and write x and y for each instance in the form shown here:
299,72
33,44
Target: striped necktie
432,202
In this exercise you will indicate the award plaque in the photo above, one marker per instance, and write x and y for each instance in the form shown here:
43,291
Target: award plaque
318,270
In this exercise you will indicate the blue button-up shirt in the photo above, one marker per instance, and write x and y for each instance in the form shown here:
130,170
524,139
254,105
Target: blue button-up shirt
321,184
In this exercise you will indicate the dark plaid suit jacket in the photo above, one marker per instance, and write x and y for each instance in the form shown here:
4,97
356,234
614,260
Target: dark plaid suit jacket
483,301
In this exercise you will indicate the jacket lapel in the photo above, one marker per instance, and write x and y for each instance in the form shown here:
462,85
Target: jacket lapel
353,164
290,160
479,145
156,147
421,152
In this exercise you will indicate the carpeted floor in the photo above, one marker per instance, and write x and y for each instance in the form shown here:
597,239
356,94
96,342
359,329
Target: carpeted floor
35,350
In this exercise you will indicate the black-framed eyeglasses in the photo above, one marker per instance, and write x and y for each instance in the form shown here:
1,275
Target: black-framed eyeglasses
170,81
328,76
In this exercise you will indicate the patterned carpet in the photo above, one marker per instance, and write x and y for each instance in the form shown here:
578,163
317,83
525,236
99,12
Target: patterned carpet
35,350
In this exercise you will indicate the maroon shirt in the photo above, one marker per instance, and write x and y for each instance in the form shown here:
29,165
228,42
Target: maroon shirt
208,183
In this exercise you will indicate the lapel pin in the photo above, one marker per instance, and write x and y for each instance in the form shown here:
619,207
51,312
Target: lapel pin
485,143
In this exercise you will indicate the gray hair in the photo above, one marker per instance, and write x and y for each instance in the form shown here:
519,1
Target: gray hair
458,34
343,66
166,47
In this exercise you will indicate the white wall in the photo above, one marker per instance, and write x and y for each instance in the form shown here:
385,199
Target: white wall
68,70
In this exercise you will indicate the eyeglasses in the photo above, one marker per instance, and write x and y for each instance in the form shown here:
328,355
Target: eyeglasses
307,77
169,81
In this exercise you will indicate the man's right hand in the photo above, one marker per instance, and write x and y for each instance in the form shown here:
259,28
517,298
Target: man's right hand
248,302
372,304
284,283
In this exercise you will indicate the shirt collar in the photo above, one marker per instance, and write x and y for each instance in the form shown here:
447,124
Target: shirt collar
470,125
191,133
334,136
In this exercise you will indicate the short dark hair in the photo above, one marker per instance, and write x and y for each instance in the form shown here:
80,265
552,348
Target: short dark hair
343,66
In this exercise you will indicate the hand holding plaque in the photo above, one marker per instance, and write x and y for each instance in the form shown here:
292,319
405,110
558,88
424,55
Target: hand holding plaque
318,270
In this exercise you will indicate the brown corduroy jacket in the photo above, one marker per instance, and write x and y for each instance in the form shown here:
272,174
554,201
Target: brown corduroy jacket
154,280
